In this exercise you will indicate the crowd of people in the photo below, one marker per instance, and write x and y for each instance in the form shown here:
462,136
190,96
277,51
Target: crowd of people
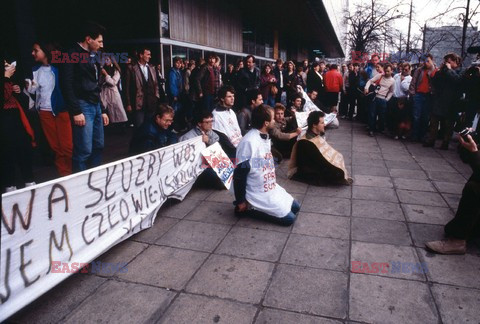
250,112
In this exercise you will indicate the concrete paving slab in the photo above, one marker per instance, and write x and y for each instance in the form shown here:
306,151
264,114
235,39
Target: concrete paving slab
178,209
172,268
160,227
322,225
333,206
233,278
373,193
187,309
458,270
449,187
309,291
422,233
457,304
194,235
213,212
407,174
316,252
380,231
375,299
421,198
400,261
275,316
377,209
372,181
145,304
330,191
412,184
253,244
427,214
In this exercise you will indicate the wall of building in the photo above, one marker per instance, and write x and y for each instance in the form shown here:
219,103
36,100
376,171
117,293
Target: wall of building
212,23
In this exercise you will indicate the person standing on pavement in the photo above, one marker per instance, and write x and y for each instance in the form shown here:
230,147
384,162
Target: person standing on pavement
141,88
82,95
421,91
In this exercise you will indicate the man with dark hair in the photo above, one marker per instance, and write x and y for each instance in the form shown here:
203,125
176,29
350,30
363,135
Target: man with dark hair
448,90
313,160
297,105
204,126
141,88
278,72
333,85
82,95
244,116
248,78
207,81
284,132
421,91
155,132
225,122
256,191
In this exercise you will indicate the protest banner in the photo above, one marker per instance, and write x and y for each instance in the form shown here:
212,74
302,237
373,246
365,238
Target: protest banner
79,217
220,163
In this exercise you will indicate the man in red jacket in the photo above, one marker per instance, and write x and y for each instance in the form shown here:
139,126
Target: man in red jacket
333,85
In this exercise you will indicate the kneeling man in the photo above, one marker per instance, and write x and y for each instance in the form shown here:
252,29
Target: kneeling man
313,160
254,179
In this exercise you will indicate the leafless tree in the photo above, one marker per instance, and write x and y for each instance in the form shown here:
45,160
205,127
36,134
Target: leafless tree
370,25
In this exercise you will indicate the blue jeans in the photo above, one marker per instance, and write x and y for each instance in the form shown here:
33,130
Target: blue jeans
270,101
88,140
421,115
377,108
287,220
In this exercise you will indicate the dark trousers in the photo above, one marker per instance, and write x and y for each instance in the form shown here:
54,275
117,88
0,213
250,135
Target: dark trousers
466,223
377,108
343,107
352,101
446,125
362,109
16,149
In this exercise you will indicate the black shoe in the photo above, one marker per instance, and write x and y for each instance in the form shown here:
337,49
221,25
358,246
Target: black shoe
428,144
444,146
370,134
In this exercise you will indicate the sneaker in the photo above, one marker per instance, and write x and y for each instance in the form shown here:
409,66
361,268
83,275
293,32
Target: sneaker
10,189
395,137
370,134
29,184
447,246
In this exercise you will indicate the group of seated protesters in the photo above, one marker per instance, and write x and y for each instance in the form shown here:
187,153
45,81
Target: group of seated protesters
263,139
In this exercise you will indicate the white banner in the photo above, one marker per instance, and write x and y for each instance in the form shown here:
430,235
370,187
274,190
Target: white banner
79,217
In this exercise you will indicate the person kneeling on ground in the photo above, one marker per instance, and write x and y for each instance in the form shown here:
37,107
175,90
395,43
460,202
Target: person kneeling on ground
257,193
154,133
313,160
209,137
284,133
466,224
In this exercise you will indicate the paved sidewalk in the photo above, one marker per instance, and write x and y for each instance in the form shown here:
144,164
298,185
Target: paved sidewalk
201,264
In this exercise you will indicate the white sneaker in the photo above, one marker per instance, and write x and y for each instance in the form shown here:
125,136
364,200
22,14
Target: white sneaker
10,189
29,184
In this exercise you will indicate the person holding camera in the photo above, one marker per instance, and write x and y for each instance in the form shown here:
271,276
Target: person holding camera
447,91
466,223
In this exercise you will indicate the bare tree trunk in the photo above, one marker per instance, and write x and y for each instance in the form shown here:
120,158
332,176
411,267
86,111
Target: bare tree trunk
465,25
409,27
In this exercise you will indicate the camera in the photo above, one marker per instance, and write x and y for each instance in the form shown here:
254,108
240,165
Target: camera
467,131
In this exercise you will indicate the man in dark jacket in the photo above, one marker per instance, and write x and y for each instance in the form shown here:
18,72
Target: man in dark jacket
82,95
141,84
446,95
466,224
278,72
155,132
248,78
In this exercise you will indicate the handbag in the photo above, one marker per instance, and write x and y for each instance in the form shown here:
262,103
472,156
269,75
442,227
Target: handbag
274,90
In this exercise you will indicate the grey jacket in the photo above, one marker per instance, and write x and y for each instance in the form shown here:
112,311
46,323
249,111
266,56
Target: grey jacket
194,132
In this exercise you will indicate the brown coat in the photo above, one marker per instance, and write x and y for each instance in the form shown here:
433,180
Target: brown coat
134,86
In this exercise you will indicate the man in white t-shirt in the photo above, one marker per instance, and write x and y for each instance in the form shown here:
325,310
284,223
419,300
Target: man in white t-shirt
257,192
225,122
